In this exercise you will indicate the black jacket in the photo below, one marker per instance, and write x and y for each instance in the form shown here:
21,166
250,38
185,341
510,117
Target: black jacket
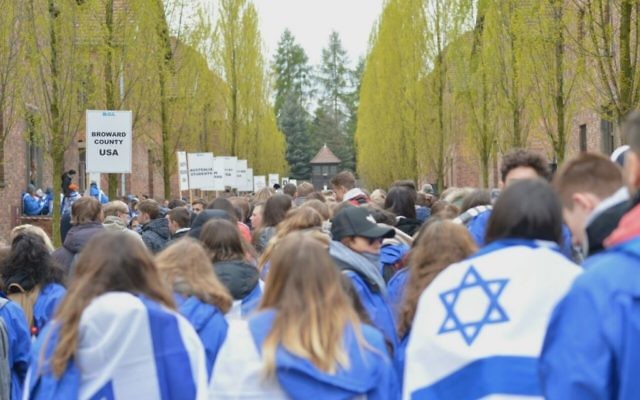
74,242
239,277
602,226
156,234
408,225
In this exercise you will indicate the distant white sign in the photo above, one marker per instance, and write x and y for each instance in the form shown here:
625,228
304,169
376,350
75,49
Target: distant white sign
285,180
259,183
293,181
109,140
273,179
218,174
183,171
200,170
241,176
230,164
247,185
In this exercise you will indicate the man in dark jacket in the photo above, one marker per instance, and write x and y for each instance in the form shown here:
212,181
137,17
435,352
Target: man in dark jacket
155,228
86,221
179,223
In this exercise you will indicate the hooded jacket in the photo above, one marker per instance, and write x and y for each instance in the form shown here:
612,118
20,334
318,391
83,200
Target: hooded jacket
209,323
115,224
77,237
242,281
370,374
46,305
155,234
602,361
368,283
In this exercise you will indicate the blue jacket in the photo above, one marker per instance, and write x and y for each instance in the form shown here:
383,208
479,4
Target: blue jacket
209,323
592,346
31,205
370,373
19,345
367,282
45,307
478,227
94,191
395,289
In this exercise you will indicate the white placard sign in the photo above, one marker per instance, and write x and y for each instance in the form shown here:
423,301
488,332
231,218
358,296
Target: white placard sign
293,181
109,140
259,183
285,180
218,174
247,185
241,173
200,170
183,170
230,164
273,179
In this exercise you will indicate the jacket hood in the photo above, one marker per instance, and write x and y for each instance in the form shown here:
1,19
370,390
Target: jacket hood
114,223
347,259
195,310
297,375
239,277
160,226
79,235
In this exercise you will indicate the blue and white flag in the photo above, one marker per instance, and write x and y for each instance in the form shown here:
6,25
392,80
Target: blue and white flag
480,325
128,348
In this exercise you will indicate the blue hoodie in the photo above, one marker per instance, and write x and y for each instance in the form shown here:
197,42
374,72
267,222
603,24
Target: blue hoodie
370,374
45,307
95,191
592,346
19,345
209,323
478,227
32,205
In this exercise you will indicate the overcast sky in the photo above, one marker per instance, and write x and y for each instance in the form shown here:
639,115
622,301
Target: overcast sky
311,22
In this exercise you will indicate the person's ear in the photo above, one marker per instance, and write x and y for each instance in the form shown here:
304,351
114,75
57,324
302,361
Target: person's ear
584,200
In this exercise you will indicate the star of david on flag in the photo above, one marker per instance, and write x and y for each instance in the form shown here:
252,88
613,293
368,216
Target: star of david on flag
468,325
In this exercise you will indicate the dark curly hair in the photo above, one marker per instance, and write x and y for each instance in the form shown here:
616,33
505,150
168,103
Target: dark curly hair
29,263
524,158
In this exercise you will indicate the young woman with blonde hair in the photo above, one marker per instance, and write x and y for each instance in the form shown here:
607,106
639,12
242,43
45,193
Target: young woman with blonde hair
306,338
198,293
116,334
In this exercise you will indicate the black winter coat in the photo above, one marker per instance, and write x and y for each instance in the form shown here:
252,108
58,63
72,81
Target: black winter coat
156,234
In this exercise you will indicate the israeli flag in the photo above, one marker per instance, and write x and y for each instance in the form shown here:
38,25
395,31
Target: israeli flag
479,327
130,348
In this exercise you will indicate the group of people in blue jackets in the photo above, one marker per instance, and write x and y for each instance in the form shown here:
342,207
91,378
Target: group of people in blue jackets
533,293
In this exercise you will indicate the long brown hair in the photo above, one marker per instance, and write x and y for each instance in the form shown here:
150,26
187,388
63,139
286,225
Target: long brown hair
110,262
439,244
302,286
296,219
186,268
222,240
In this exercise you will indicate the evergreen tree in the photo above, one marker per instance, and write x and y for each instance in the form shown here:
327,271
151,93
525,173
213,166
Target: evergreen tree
292,72
332,115
293,122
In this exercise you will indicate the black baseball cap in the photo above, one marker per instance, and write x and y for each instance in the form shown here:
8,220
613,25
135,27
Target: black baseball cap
358,221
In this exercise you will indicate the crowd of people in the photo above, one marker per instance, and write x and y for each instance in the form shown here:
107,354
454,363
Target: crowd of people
529,289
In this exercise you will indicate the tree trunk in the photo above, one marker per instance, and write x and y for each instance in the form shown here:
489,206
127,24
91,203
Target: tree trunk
560,148
109,86
57,135
164,68
625,79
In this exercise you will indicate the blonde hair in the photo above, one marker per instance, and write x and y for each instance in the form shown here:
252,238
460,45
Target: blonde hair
303,284
187,270
36,230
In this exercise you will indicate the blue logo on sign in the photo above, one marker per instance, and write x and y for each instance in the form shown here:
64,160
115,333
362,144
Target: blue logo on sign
108,114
